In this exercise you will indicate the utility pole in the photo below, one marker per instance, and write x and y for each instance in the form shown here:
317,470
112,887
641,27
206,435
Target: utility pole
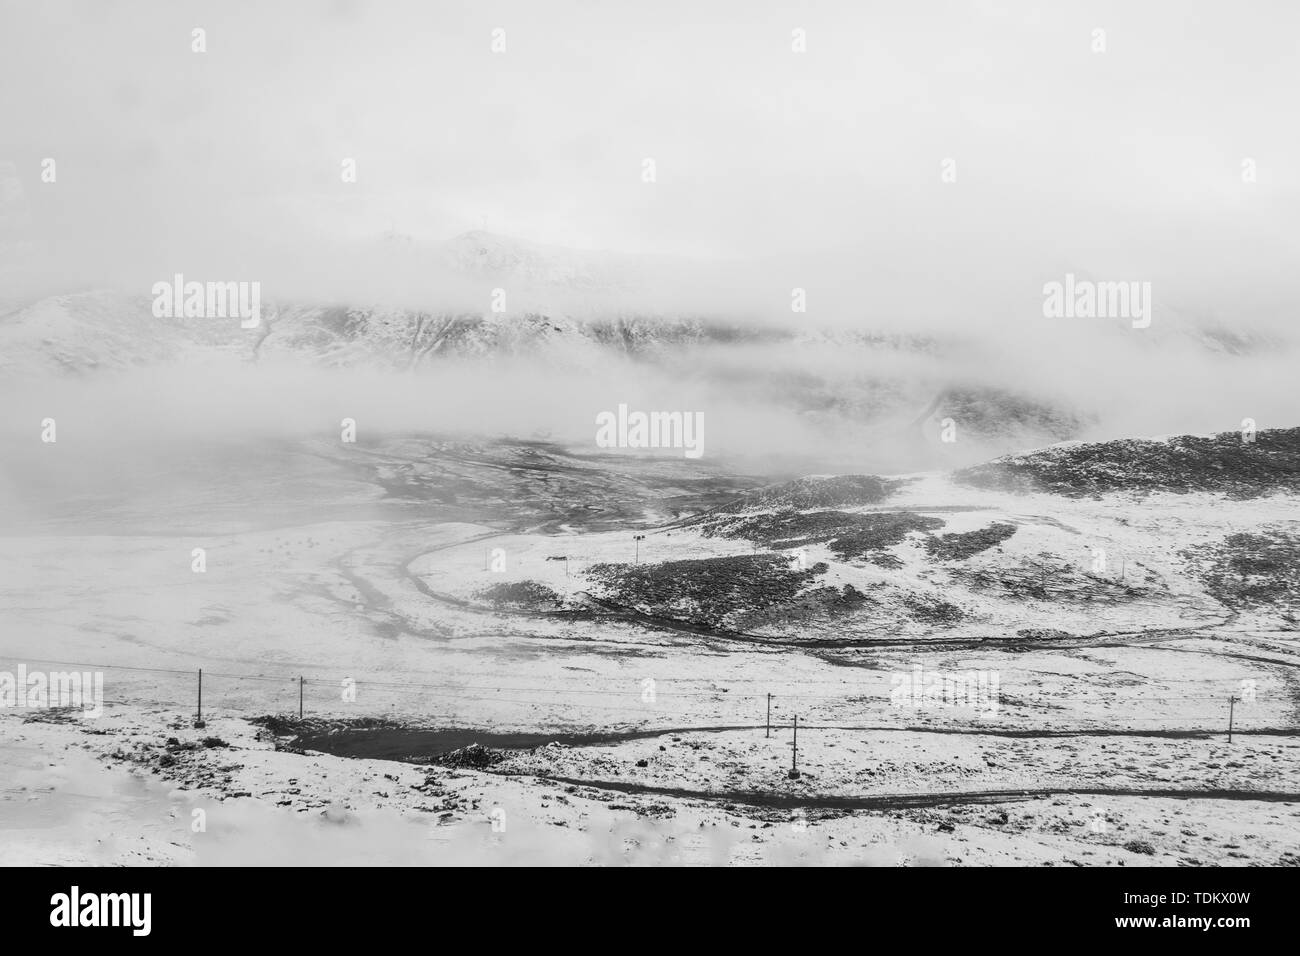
769,716
301,681
1232,704
638,539
794,760
198,721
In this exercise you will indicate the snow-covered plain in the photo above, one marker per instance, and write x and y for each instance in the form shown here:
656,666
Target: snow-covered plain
377,601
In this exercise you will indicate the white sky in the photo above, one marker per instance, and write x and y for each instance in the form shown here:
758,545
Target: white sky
1125,164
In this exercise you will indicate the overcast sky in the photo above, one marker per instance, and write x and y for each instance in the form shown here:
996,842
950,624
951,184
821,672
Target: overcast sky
1126,164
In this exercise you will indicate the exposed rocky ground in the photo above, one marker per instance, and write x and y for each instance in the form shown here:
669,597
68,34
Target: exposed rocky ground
1228,463
1254,570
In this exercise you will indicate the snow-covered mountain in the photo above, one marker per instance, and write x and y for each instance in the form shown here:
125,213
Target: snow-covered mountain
482,253
564,304
567,314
